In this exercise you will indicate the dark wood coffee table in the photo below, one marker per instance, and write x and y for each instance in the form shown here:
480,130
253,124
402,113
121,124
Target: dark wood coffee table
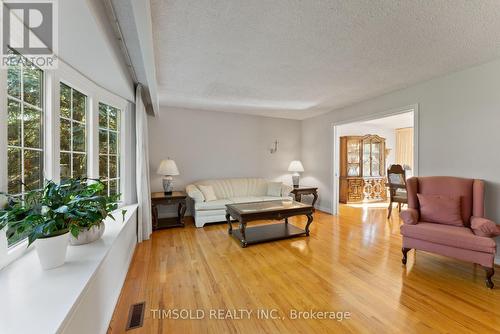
272,210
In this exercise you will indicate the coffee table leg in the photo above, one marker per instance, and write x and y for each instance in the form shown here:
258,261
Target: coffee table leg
243,227
230,227
286,220
309,221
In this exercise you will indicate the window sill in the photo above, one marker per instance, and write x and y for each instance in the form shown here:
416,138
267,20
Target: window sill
38,301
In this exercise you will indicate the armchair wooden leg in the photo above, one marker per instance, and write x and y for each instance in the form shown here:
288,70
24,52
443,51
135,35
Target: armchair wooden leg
489,274
390,210
405,254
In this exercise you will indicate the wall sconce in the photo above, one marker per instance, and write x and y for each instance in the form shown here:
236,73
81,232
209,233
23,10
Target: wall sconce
274,147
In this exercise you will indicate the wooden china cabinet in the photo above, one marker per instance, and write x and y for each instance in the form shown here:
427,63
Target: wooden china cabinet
362,169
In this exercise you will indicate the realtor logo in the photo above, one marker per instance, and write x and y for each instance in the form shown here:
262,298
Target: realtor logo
29,28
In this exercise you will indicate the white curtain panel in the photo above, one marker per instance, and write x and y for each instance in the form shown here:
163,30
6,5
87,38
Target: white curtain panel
145,226
404,147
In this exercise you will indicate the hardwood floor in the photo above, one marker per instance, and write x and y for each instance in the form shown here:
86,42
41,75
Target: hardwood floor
350,263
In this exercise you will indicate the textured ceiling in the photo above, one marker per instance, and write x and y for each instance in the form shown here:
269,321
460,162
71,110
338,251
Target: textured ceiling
297,59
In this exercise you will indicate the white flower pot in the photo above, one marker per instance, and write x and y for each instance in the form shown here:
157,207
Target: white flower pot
3,246
52,251
87,236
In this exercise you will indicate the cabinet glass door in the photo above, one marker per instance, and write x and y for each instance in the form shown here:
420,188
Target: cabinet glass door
375,159
353,150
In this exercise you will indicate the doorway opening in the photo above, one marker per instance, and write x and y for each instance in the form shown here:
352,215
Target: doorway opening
365,149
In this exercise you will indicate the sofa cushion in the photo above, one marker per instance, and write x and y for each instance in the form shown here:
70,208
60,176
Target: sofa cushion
237,187
454,236
274,189
195,193
440,209
208,193
212,205
484,227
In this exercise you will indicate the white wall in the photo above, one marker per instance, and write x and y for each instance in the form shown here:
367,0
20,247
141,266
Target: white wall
208,144
459,120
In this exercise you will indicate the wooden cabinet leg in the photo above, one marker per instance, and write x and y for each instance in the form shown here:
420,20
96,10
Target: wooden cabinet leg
309,222
229,226
181,211
243,227
315,198
154,212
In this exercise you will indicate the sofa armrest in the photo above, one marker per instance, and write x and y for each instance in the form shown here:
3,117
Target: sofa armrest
195,193
286,190
409,216
484,227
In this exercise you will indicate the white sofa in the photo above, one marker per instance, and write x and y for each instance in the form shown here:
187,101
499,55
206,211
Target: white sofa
227,191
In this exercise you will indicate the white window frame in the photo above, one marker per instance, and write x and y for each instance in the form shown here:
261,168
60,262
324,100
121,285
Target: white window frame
23,104
51,102
118,154
71,120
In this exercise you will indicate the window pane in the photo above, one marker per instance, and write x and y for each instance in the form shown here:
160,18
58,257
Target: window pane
113,187
65,165
32,128
113,143
14,81
103,116
33,170
79,101
14,120
65,135
78,137
103,141
106,187
112,167
113,118
103,167
65,101
14,170
32,82
79,165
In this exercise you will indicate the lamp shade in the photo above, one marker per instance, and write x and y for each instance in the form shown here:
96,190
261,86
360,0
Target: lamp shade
296,166
167,167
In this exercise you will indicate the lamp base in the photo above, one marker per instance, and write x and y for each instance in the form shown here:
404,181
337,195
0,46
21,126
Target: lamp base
295,180
168,185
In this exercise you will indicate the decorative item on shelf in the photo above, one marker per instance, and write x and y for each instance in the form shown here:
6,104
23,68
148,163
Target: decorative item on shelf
274,147
56,214
296,167
168,168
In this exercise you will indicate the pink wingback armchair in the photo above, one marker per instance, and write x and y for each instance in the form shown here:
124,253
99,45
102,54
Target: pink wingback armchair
464,242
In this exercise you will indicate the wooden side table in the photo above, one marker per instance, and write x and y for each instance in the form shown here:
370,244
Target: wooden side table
175,198
304,190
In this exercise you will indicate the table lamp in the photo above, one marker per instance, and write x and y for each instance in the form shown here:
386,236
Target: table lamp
296,167
168,168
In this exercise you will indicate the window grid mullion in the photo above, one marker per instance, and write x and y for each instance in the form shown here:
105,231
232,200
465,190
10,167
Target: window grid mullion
71,132
107,155
21,95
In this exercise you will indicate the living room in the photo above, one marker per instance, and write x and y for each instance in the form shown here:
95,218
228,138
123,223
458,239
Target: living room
176,166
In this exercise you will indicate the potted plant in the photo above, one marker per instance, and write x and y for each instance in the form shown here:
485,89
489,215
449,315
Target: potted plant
38,216
48,216
88,209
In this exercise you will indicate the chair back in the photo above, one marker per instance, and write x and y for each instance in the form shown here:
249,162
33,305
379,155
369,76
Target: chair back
470,191
396,179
